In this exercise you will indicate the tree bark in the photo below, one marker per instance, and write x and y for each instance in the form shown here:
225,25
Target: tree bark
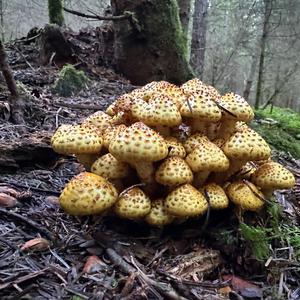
264,36
16,103
199,37
56,15
151,45
250,78
186,14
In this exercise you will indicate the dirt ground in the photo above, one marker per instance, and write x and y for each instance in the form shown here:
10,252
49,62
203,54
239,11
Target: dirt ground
183,261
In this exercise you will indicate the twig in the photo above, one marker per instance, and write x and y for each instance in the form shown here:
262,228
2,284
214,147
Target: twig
207,212
94,16
77,106
32,188
31,223
119,261
164,288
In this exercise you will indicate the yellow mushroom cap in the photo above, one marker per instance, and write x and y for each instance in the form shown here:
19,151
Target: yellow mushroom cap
133,204
138,142
217,196
201,107
122,104
193,141
272,175
175,147
109,167
207,157
110,133
76,139
246,145
193,86
158,215
174,171
160,110
185,201
87,194
99,119
245,195
237,105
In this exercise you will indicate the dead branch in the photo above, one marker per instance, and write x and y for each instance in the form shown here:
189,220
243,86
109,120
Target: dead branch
29,222
96,17
16,102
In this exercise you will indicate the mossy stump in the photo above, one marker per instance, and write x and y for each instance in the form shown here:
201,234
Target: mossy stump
70,81
151,44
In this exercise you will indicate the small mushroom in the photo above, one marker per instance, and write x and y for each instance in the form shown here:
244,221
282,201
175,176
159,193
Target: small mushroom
199,110
245,195
206,157
76,139
175,147
272,176
235,108
193,141
133,204
110,168
140,146
186,201
110,133
158,215
99,119
174,171
244,145
88,194
160,112
217,196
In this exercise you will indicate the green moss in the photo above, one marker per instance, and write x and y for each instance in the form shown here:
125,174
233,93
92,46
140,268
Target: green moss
55,8
288,119
278,138
167,22
70,81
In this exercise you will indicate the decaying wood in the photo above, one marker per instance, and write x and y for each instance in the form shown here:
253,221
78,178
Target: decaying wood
26,151
16,103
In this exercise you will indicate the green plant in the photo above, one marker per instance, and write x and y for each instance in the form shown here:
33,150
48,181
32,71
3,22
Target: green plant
276,230
70,81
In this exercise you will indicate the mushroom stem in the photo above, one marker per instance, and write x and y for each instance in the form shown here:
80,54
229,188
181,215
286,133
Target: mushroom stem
200,178
163,130
268,193
198,126
145,171
212,130
227,128
235,165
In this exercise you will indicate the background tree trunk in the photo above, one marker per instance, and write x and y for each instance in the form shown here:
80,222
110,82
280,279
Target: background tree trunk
186,14
151,45
199,37
56,15
267,14
250,78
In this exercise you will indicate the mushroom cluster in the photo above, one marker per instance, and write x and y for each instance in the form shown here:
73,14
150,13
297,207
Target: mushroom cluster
164,153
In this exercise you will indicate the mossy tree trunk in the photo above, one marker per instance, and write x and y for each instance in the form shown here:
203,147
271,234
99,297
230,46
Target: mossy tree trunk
55,8
151,45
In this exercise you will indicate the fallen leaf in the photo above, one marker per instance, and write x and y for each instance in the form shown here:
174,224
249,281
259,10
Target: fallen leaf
245,288
37,244
7,200
93,264
52,200
8,190
225,290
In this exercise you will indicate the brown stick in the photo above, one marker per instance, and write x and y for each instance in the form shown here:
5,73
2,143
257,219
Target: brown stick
94,16
15,101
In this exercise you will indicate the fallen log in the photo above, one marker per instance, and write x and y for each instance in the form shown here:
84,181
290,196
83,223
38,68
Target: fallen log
30,150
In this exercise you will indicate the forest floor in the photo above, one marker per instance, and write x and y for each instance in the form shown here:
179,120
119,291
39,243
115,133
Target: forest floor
195,260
